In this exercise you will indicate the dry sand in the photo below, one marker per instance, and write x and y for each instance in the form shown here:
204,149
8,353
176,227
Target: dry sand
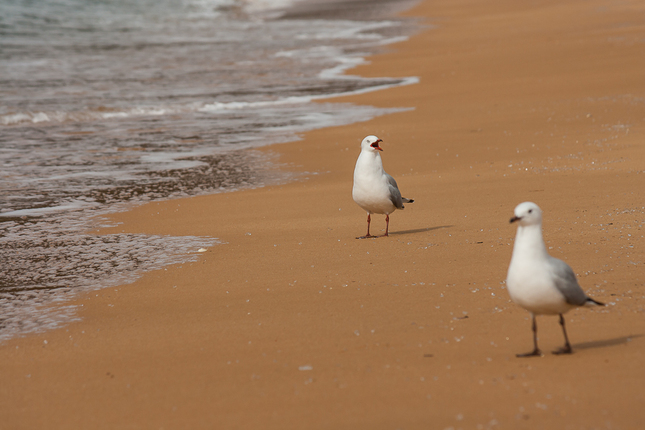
294,324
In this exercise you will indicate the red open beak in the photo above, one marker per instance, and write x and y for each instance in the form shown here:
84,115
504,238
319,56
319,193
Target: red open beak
376,146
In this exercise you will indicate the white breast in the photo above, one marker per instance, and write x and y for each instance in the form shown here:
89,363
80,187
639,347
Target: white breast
371,191
531,286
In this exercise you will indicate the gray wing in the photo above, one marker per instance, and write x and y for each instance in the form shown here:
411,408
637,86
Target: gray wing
395,194
566,282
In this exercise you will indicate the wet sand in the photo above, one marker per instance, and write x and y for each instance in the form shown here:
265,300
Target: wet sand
292,323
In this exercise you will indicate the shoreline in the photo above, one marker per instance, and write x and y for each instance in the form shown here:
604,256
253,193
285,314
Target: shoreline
212,170
291,320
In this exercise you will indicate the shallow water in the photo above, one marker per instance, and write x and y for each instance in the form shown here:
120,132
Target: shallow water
109,104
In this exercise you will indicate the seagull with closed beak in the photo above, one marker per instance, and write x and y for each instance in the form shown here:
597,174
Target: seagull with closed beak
374,190
541,284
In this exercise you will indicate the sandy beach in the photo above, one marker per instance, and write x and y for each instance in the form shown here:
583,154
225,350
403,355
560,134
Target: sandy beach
292,323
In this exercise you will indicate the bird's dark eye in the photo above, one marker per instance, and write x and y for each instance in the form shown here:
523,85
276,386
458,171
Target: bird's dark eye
530,210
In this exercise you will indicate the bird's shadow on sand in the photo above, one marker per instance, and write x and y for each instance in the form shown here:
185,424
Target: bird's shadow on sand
607,342
418,230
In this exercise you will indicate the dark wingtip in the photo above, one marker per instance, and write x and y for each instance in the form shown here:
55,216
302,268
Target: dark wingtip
589,299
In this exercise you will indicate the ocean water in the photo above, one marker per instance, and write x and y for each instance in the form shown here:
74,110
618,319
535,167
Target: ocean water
108,104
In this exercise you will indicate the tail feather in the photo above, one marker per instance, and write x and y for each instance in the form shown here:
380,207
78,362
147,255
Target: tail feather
592,302
407,200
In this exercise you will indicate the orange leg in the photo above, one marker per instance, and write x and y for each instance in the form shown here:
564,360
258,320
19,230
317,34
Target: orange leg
387,225
369,219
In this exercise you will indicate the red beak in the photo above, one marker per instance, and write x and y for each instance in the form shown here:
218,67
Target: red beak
377,146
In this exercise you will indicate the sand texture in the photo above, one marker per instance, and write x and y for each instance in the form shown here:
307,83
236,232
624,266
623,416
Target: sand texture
292,323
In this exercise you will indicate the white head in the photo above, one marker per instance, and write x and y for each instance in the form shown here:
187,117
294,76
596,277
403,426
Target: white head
527,213
370,143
